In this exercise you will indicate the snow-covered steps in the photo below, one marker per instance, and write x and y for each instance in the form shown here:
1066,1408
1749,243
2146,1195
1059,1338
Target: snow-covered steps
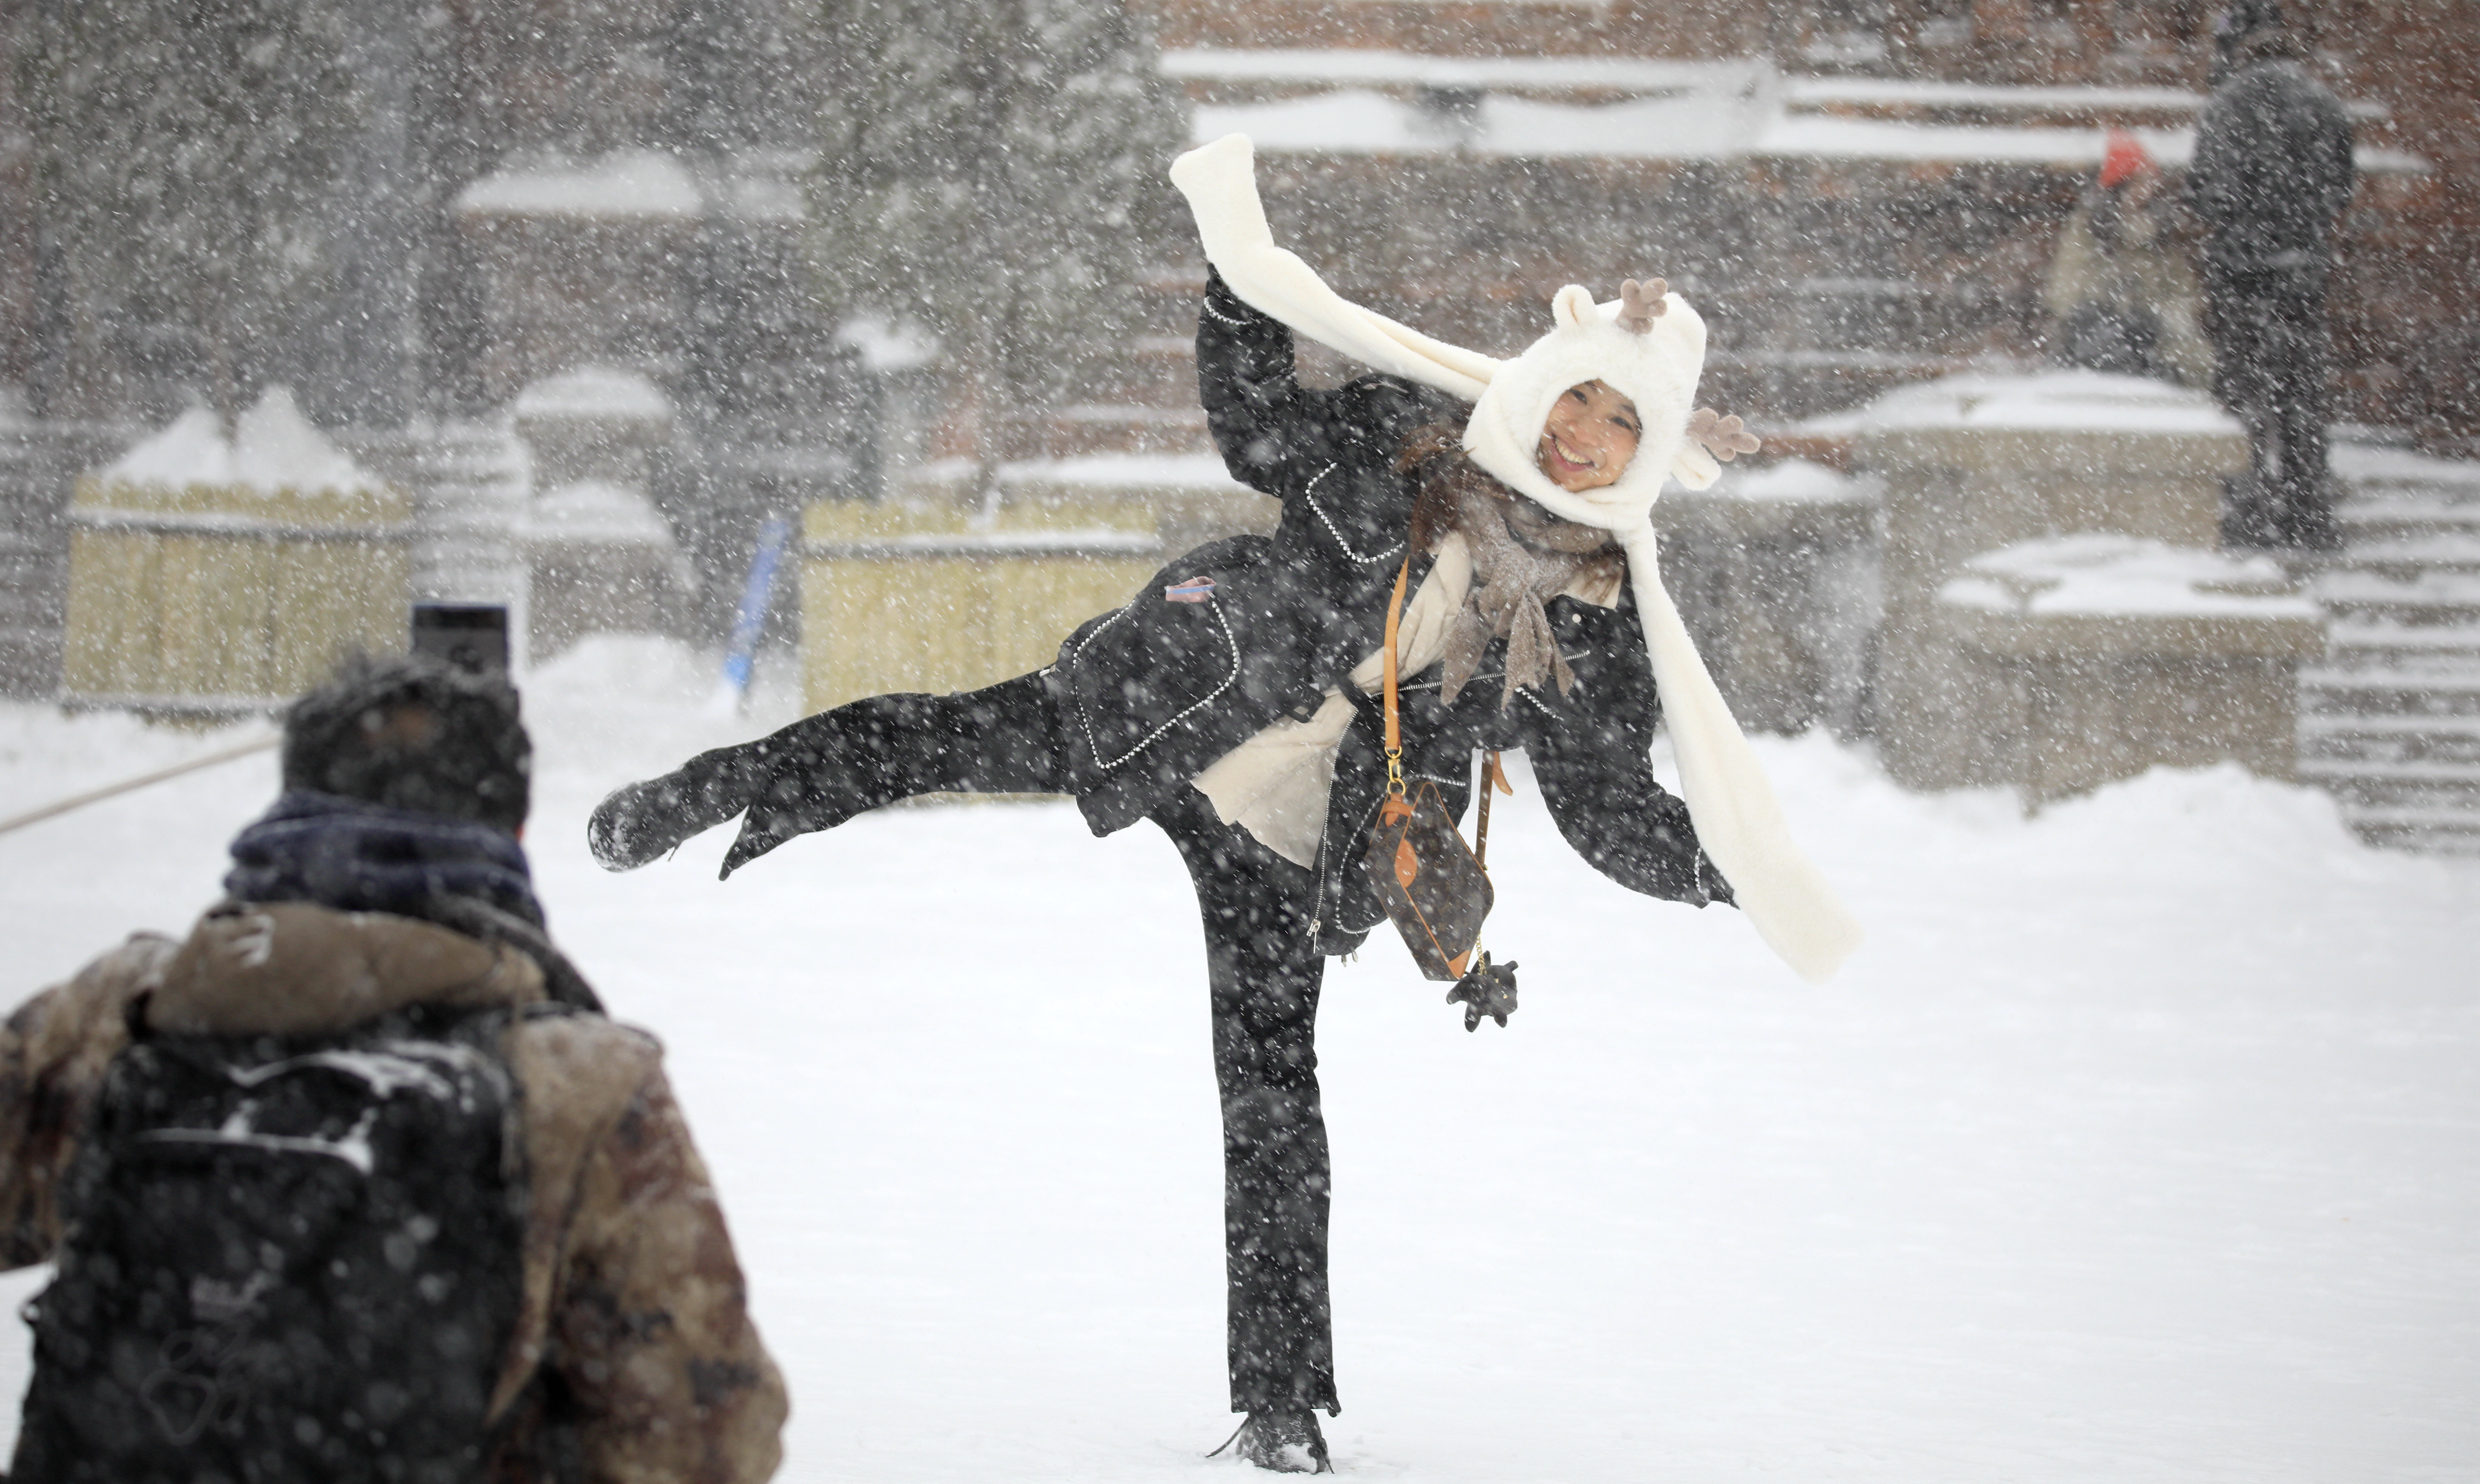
2403,590
2391,723
1089,428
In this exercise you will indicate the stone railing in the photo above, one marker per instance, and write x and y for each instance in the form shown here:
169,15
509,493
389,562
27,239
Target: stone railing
2094,656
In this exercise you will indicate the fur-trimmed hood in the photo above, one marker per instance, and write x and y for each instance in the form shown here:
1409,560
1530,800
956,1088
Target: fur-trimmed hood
293,968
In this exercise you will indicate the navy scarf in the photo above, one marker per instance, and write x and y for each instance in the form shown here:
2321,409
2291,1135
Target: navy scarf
356,856
362,857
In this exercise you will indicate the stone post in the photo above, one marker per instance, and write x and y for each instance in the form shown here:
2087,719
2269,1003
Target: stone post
39,464
1974,464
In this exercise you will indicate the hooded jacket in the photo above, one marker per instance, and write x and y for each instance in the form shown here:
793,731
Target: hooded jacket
633,1357
1153,692
2272,169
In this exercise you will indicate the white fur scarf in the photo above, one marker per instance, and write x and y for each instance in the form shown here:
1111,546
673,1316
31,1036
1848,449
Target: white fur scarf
1737,818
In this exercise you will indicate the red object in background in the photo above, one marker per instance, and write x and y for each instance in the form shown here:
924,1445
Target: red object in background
2123,157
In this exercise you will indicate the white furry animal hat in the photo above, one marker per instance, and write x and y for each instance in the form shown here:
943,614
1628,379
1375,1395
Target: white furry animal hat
1656,369
1737,818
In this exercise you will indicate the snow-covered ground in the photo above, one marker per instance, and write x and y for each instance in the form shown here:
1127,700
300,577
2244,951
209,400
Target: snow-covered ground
2141,1142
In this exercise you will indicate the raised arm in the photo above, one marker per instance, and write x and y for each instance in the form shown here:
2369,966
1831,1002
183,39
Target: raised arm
1273,433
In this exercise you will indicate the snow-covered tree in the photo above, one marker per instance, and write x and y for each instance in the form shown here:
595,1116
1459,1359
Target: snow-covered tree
982,168
192,159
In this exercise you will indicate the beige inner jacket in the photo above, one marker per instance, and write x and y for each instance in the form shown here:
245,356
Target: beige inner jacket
1275,784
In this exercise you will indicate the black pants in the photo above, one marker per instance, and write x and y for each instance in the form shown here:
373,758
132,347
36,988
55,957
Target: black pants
1263,966
2274,371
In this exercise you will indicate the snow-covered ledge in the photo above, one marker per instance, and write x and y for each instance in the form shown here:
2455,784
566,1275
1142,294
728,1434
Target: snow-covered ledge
2101,594
2098,656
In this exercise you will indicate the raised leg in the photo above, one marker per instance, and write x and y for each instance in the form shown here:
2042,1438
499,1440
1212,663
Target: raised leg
823,769
1265,970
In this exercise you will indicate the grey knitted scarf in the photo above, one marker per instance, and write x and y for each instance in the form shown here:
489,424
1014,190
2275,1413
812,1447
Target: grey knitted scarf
1522,558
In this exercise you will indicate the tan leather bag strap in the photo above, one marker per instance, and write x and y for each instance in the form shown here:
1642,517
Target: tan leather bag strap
1492,777
1394,722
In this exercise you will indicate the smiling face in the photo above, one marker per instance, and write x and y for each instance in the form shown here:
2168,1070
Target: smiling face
1588,437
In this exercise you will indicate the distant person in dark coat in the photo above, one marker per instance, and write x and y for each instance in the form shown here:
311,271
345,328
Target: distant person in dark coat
2272,170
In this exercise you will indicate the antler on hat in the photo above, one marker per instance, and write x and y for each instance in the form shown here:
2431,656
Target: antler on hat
1649,345
1640,304
1724,437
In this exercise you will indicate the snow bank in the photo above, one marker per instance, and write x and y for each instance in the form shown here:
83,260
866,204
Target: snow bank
2135,1145
592,511
1346,65
1699,126
1815,91
2042,400
1820,135
596,392
763,199
884,345
1098,470
1172,471
1663,110
273,448
626,183
2376,465
1795,482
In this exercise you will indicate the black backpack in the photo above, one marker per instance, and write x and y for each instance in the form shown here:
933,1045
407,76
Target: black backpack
284,1261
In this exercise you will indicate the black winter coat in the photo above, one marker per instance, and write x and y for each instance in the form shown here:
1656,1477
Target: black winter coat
2273,166
1153,693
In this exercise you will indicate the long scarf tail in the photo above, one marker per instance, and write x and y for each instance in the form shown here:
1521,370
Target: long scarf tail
1220,183
1784,897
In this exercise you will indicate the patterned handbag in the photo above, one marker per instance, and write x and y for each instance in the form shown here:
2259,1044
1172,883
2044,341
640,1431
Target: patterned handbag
1433,886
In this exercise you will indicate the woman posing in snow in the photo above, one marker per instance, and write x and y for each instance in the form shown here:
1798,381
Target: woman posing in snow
1233,702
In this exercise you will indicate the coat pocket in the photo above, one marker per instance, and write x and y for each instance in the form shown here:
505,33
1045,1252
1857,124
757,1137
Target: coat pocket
1170,661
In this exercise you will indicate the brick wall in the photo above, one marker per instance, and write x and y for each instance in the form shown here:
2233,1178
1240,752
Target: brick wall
1830,278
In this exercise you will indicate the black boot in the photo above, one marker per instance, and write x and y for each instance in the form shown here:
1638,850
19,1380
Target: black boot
1284,1440
644,821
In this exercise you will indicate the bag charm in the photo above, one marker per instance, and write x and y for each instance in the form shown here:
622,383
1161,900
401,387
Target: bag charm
1488,990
